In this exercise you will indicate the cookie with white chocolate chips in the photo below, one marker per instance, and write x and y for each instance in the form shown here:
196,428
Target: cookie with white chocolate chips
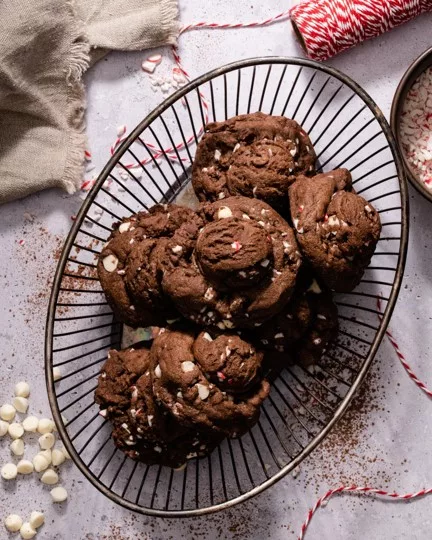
141,428
254,155
181,385
235,272
129,265
303,330
337,230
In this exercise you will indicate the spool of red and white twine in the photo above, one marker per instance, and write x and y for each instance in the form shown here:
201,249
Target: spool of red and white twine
327,27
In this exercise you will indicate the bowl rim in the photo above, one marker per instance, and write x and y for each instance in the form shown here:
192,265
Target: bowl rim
380,332
417,67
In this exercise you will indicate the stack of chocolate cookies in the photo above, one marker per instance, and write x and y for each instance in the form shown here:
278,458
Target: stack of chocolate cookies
238,288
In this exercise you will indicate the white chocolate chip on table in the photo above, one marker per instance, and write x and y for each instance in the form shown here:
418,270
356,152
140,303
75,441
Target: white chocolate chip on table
17,447
7,412
9,471
25,467
30,424
27,531
49,477
22,389
37,519
13,522
59,494
21,404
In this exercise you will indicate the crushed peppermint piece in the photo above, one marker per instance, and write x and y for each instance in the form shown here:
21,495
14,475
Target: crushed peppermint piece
150,63
236,246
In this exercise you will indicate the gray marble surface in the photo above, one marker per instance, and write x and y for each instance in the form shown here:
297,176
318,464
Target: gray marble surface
384,439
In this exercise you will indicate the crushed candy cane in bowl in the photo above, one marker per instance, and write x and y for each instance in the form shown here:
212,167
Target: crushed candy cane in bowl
411,120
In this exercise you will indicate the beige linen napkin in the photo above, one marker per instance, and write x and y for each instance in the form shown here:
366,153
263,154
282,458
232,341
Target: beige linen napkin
45,47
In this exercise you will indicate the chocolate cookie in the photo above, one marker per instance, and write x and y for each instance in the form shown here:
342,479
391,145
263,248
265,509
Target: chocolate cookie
303,330
180,383
235,272
141,428
337,229
228,361
129,266
254,155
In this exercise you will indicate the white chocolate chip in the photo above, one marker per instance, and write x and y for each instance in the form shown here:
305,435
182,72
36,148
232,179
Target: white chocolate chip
368,209
209,294
3,428
293,151
27,531
177,249
46,441
317,341
30,423
25,466
49,477
314,287
228,324
13,522
279,335
217,155
224,212
21,404
245,216
265,263
7,412
221,195
322,317
56,373
47,454
22,389
124,227
333,220
203,391
207,336
17,447
110,263
150,419
40,463
37,519
9,471
45,425
15,430
296,222
236,147
187,366
59,494
158,371
57,457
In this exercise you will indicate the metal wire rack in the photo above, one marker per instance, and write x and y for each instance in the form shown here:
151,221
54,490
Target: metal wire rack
347,129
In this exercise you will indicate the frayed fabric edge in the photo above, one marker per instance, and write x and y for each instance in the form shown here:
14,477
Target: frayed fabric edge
170,21
79,61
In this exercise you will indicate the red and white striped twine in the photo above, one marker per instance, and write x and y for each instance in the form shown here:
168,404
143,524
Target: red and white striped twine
402,358
328,27
322,501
